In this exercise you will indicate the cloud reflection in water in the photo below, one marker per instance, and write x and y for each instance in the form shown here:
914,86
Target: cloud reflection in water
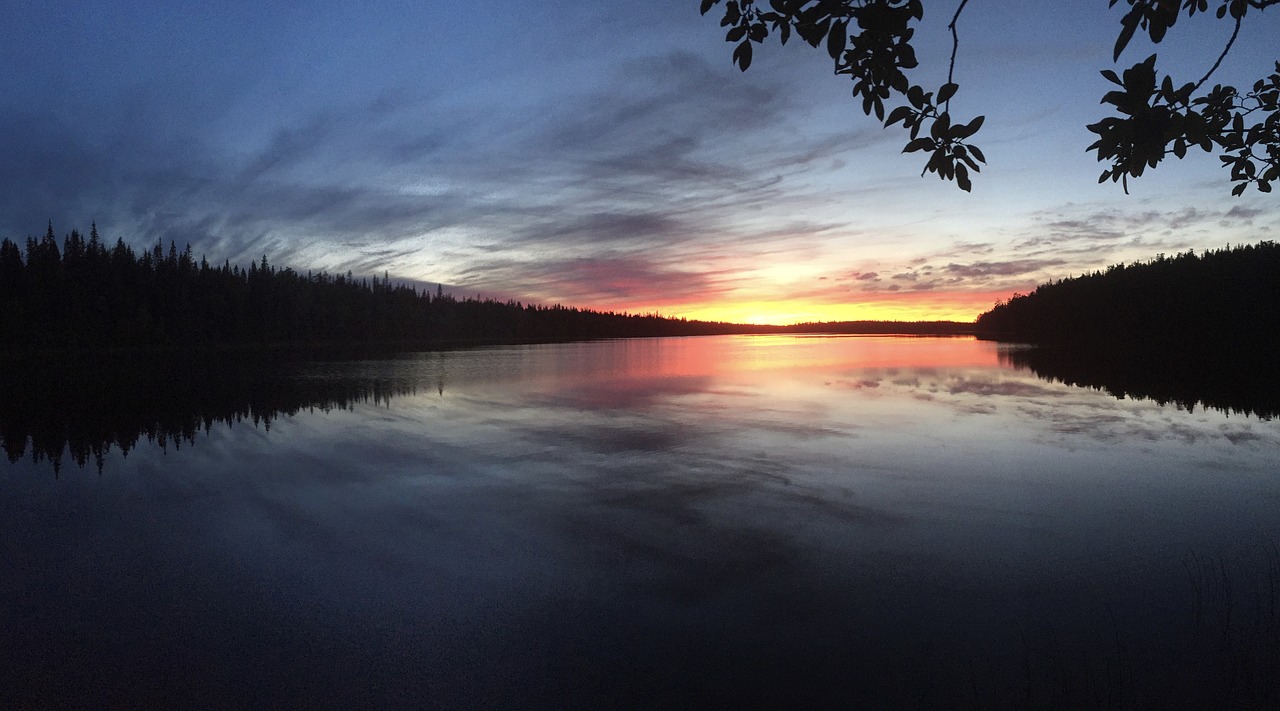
688,522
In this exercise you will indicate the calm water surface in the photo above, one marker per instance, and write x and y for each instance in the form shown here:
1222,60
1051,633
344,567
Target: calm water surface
689,523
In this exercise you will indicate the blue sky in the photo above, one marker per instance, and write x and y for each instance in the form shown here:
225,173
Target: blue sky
602,154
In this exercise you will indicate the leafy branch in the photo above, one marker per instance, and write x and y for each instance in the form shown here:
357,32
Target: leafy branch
1157,119
870,42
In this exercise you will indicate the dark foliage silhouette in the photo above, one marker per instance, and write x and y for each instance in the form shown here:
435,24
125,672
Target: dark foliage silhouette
1181,304
869,41
1189,329
82,294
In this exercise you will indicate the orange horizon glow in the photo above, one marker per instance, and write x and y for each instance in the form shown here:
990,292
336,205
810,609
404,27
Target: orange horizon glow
643,360
963,307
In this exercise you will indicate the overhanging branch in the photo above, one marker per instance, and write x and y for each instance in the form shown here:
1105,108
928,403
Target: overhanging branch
955,45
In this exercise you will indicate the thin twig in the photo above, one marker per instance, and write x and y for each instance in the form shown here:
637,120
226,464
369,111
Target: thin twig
1234,33
955,45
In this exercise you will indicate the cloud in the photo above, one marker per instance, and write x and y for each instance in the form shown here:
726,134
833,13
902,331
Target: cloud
606,228
605,280
632,184
1002,388
1242,213
370,142
1018,267
974,276
1079,227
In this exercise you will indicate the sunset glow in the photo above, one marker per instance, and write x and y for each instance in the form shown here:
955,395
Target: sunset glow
608,167
906,307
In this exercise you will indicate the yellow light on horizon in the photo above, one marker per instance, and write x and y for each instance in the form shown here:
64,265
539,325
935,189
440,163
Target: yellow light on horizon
963,307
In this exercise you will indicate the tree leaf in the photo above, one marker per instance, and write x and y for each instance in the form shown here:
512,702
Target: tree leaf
901,113
1130,24
1157,30
836,39
742,55
968,129
941,126
916,96
919,144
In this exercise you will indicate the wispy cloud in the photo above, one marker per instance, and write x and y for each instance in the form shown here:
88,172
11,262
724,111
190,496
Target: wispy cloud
611,188
579,160
977,271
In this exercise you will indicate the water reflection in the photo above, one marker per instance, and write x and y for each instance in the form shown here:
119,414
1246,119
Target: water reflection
83,409
688,523
1229,380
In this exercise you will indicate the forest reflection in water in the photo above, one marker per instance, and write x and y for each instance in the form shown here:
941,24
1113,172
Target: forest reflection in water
689,523
1217,376
82,408
79,409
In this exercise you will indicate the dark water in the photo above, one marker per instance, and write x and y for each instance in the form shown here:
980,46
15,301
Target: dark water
682,523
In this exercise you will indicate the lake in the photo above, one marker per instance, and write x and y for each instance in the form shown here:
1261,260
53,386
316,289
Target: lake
667,523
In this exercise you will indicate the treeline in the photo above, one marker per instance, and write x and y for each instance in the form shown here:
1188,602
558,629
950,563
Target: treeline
1225,296
82,293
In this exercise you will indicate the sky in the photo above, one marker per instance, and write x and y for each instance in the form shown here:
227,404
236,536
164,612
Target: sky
597,154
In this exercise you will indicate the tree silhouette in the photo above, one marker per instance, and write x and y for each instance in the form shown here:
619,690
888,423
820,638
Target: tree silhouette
870,42
1185,302
81,295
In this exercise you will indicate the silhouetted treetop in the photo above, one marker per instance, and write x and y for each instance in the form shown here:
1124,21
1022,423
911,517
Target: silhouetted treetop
80,294
1188,301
